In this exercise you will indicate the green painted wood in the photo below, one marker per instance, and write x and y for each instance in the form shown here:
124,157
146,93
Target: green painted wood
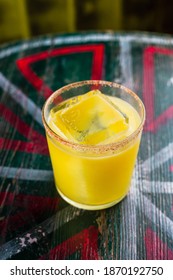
35,223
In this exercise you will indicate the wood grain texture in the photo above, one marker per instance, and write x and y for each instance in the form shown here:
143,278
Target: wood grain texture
35,223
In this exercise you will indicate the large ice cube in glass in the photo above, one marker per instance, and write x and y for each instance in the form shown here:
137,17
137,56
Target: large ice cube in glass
91,119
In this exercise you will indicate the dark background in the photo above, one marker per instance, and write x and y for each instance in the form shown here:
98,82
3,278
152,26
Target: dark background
20,19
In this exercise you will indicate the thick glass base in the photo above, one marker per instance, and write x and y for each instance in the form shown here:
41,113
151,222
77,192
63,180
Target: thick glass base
90,207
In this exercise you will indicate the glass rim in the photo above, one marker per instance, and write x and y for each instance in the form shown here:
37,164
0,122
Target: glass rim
101,147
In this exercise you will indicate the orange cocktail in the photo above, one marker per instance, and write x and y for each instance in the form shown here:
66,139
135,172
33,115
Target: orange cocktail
93,133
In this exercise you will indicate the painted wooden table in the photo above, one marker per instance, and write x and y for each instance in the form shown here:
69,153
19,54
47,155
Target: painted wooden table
35,223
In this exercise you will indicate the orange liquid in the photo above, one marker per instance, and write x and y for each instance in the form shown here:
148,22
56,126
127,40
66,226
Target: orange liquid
90,180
